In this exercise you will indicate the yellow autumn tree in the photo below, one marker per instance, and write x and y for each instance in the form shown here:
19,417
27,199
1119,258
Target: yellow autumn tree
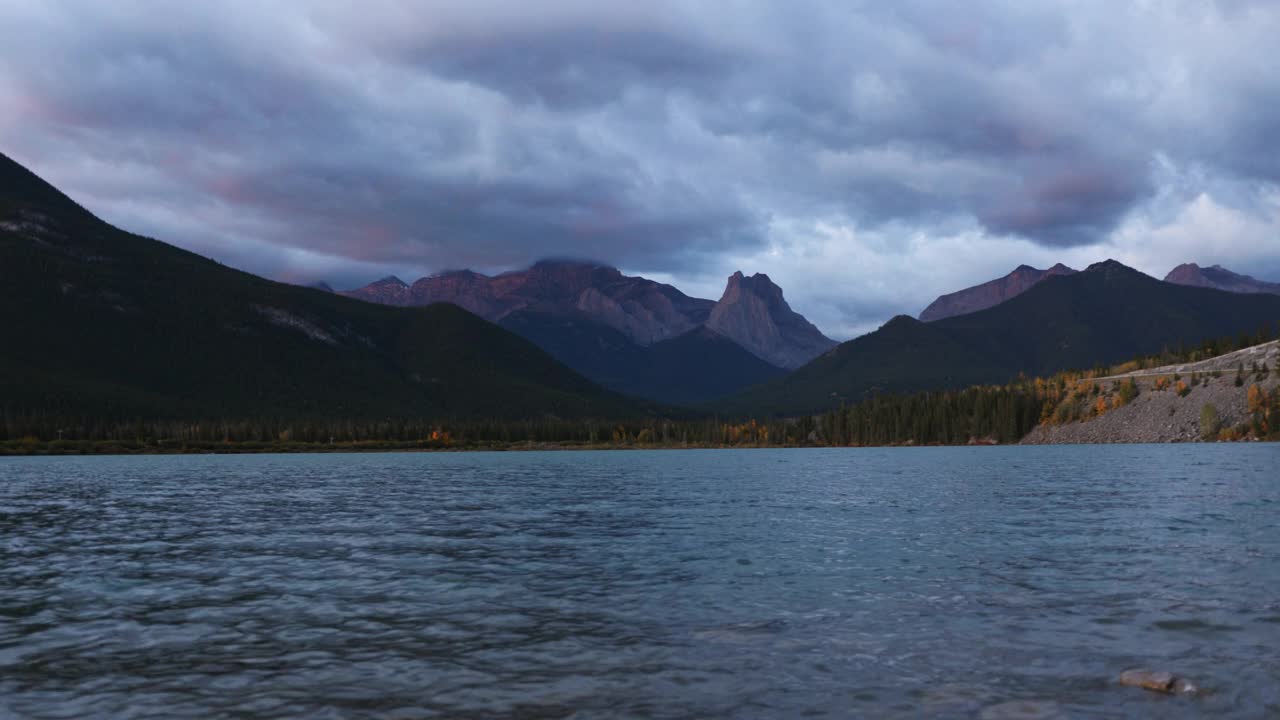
1257,400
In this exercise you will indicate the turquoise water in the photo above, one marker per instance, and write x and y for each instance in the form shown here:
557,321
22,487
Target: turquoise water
760,583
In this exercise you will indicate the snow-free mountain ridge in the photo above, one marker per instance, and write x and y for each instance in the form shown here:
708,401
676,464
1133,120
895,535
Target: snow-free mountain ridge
991,293
601,322
1219,278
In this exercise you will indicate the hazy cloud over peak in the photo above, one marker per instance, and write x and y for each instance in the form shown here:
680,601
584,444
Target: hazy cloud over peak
869,156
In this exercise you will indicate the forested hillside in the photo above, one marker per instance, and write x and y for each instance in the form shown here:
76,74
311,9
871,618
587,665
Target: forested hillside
102,323
1103,315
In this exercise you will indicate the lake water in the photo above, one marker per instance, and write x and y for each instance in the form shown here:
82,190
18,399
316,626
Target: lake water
876,583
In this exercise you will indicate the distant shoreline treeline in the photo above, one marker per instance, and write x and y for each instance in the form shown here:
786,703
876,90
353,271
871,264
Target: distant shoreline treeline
980,414
987,415
999,414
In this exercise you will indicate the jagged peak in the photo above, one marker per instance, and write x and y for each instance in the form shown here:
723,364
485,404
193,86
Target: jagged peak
1061,268
753,313
739,275
757,284
391,280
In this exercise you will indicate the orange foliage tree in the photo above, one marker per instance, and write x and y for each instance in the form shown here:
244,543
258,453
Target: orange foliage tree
1257,399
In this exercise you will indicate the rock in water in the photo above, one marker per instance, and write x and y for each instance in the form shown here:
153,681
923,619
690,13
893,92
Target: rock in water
1164,682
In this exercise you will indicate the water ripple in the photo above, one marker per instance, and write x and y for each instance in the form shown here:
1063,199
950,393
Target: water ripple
965,582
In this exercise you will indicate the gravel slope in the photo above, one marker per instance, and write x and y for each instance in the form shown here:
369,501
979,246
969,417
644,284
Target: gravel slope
1161,415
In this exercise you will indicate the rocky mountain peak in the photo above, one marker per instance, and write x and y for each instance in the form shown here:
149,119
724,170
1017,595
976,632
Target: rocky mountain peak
575,290
753,313
1219,278
390,290
990,294
758,284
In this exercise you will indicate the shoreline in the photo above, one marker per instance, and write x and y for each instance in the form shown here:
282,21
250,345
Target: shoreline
73,448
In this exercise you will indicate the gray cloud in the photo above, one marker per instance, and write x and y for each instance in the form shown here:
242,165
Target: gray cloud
575,69
318,139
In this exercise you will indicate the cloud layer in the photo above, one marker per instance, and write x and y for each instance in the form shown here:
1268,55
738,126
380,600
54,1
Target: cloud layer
868,156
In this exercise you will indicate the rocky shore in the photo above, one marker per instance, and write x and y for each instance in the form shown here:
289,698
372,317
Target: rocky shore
1164,415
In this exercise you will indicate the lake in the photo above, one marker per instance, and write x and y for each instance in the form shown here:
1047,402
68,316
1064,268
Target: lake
881,583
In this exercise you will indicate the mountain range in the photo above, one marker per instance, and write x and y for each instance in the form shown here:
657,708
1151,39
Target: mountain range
1105,314
631,334
645,311
991,293
103,324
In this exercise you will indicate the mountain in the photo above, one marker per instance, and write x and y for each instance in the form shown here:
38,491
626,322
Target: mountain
694,367
390,290
643,310
989,294
753,313
100,323
1219,278
698,366
1105,314
627,333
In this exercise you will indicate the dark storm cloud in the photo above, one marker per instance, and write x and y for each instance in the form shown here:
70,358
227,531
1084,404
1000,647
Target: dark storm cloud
666,136
575,68
345,166
440,221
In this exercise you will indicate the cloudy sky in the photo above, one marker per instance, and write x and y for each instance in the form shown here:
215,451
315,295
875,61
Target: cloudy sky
867,155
